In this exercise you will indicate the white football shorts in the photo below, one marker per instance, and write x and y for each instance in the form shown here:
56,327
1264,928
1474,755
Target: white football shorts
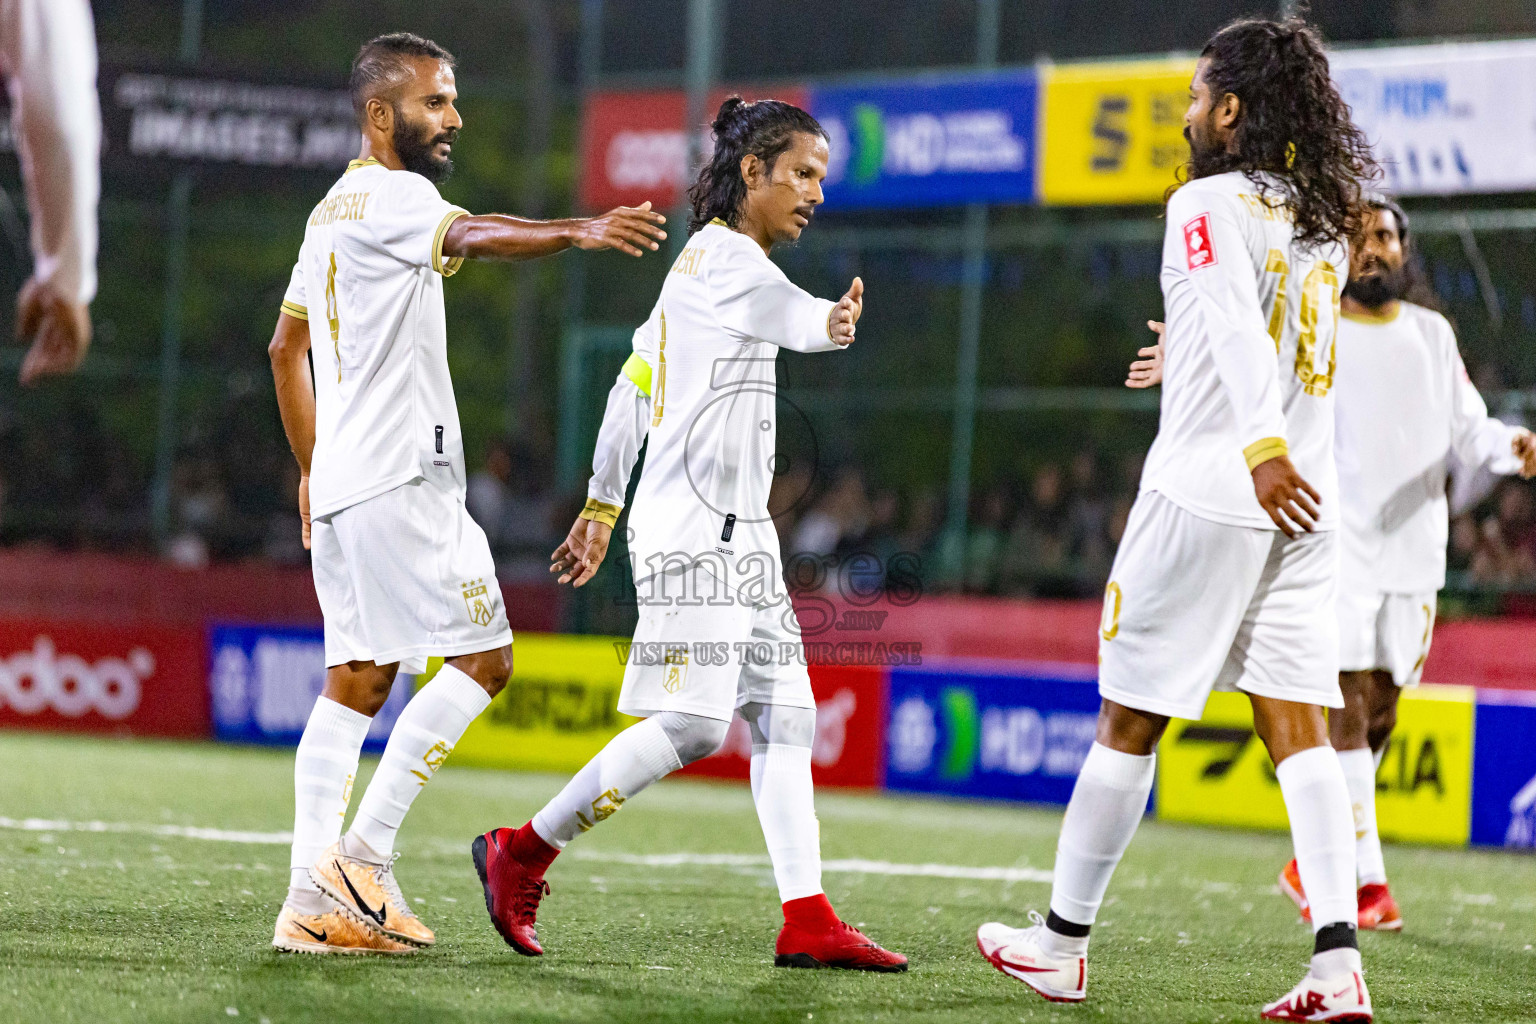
404,576
1195,605
708,651
1391,632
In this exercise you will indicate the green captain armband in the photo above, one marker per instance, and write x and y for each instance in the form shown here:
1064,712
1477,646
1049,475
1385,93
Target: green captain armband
639,372
601,512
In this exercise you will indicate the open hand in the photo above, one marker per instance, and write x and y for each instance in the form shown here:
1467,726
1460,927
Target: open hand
846,313
579,556
1524,447
1147,372
60,331
629,229
1290,501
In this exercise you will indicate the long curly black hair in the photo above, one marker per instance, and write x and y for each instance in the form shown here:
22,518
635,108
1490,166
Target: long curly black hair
765,129
1294,137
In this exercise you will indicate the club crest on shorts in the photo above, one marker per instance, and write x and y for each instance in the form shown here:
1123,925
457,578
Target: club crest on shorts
477,599
675,675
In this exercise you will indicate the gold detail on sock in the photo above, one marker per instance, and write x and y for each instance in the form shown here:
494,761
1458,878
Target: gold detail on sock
604,807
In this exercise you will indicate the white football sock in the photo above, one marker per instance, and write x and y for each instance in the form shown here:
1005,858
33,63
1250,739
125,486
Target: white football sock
632,760
418,745
786,808
323,769
1360,776
1322,830
1106,807
1334,962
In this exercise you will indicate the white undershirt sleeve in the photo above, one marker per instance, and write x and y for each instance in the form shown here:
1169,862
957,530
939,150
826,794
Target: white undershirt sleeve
48,55
626,422
1226,290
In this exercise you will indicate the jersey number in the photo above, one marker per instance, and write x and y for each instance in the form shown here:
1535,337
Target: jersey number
1319,292
333,314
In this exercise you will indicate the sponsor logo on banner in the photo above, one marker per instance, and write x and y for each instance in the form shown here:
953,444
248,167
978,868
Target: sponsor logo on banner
1019,735
144,680
558,710
850,725
1217,772
1113,132
263,681
634,147
925,142
1458,117
1504,770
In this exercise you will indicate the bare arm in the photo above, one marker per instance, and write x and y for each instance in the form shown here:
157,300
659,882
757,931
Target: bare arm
289,352
497,236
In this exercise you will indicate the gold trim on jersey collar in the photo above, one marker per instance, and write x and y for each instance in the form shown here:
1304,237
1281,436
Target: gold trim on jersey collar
717,220
355,164
1374,318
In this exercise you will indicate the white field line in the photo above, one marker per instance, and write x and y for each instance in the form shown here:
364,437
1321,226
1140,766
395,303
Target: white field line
854,866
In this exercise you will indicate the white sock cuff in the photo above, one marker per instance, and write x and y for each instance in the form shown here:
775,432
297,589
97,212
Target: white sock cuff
456,689
332,720
1361,760
1307,766
654,749
1118,770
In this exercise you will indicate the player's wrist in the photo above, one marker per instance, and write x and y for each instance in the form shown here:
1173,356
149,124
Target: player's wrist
1266,449
601,512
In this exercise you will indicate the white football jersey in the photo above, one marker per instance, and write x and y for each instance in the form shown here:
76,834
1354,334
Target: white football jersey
369,280
1406,412
706,357
1248,355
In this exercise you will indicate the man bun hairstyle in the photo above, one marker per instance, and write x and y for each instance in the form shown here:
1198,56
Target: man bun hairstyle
764,129
384,62
1294,138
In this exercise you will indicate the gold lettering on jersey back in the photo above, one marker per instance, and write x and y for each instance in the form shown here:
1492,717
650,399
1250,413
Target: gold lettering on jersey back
342,206
1275,264
659,384
688,261
1262,209
1320,290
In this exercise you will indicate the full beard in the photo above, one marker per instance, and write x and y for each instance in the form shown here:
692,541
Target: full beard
1205,159
1375,290
414,144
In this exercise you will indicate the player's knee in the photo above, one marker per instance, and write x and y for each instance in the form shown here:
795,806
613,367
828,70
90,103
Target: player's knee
692,736
773,723
491,669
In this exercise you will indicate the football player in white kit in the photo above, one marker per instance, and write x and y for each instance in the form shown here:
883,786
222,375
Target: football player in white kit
1407,413
717,635
402,572
1227,573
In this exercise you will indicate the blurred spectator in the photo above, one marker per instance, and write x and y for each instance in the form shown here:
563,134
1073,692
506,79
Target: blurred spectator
1506,551
510,497
283,540
1036,557
842,512
985,543
787,498
1088,512
488,493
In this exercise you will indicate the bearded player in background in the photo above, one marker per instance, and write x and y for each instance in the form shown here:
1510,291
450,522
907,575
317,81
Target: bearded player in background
402,572
1407,413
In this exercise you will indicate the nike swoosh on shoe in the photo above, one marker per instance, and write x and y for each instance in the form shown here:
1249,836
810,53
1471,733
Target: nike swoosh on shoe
377,915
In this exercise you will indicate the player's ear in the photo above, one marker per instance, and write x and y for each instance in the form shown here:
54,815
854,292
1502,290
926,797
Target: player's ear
752,171
1227,110
381,115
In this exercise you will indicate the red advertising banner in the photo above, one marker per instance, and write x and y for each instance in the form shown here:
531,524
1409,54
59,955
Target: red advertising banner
850,731
143,680
633,147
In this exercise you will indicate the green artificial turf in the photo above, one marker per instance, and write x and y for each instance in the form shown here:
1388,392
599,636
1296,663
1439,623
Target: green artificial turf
143,925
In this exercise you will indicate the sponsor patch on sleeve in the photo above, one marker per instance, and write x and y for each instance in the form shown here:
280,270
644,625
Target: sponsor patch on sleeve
1199,250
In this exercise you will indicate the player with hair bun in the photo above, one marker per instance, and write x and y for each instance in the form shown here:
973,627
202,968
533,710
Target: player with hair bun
699,390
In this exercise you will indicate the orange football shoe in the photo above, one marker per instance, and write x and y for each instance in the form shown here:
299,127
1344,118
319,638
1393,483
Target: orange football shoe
1378,910
331,932
1290,884
369,893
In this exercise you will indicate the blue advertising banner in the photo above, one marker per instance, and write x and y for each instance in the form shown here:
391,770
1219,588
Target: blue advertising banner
930,142
1018,732
1504,770
263,681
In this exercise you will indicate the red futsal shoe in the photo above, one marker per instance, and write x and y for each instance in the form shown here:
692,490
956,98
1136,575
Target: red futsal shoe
1378,910
511,866
1290,884
814,936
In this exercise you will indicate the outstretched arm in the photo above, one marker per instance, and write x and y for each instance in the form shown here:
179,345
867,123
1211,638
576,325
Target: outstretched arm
496,236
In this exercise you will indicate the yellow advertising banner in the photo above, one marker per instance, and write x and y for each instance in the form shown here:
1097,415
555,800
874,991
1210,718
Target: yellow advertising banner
1216,772
1112,132
558,710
